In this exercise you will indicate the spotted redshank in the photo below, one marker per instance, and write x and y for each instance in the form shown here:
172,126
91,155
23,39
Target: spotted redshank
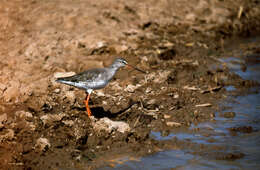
96,78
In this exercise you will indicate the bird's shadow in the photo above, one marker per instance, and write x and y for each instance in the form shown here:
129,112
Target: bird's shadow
99,112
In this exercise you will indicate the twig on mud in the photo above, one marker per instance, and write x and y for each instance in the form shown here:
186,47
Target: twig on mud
191,88
141,103
213,89
137,120
126,110
16,163
203,105
240,11
216,59
149,112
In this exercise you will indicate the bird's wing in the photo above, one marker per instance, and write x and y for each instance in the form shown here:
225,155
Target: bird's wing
86,76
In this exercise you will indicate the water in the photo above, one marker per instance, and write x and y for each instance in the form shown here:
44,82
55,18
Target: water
156,161
247,109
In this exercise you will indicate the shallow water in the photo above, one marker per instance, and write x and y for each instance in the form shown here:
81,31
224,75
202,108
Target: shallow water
247,110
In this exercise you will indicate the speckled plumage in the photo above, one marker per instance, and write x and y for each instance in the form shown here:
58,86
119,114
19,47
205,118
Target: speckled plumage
93,79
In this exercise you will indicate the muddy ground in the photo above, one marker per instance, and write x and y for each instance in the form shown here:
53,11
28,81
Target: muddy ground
43,123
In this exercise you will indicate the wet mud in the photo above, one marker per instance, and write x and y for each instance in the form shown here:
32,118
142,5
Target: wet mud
179,44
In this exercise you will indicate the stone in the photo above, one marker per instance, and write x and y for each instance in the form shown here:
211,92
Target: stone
51,118
3,119
120,48
166,116
228,114
148,90
3,87
57,91
131,88
173,124
7,136
11,93
42,144
69,123
23,114
70,95
109,125
159,76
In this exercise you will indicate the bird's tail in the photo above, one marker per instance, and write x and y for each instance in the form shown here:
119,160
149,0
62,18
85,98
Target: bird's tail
64,81
60,80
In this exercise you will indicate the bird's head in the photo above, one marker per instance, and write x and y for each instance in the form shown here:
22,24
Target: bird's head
119,62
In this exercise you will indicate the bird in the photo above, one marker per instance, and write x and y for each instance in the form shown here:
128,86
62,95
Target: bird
96,78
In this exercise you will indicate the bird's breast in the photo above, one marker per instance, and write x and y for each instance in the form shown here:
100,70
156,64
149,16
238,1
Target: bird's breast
97,84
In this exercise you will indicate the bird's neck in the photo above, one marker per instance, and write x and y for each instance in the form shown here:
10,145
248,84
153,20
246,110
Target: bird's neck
113,68
111,73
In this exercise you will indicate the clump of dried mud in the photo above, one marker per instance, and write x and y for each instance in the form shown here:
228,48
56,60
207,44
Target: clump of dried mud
43,124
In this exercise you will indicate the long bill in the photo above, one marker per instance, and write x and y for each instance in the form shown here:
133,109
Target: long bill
136,68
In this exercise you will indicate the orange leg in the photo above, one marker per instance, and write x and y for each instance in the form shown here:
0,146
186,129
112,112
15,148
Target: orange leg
86,103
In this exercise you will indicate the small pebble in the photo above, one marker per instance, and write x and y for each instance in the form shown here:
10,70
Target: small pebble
229,114
57,91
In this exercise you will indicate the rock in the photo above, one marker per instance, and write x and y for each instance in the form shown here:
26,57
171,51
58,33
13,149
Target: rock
159,76
241,129
131,88
229,156
166,116
167,55
23,114
12,92
3,87
7,136
120,48
3,119
176,96
109,125
80,132
101,44
131,31
31,126
70,95
173,124
100,93
151,102
50,118
195,63
229,114
148,90
165,133
98,48
57,91
42,144
115,86
68,122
